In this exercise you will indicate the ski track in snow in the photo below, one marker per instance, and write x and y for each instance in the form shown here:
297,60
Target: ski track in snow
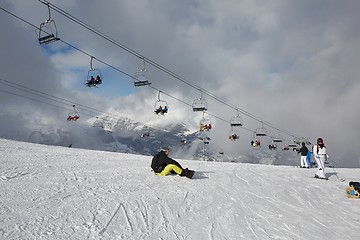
50,192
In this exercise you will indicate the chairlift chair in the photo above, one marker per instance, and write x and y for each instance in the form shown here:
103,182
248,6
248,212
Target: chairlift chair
94,76
73,116
278,138
297,140
261,131
205,124
234,135
48,30
199,105
141,78
286,147
206,140
272,146
148,135
293,145
236,121
161,106
255,141
147,132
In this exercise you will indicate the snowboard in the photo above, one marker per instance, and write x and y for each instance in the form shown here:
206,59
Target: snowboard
187,173
190,174
351,192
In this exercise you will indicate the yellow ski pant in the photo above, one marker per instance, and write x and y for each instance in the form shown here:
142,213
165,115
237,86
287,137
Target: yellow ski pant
169,168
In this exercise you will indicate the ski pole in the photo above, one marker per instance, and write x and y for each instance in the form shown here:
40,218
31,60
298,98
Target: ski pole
333,167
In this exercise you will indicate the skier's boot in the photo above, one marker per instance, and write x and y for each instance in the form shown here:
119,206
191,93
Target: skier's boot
187,173
184,172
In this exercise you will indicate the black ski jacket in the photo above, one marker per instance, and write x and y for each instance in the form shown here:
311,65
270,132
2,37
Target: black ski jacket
303,150
161,160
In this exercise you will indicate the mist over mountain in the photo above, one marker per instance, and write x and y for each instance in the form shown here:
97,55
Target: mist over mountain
122,134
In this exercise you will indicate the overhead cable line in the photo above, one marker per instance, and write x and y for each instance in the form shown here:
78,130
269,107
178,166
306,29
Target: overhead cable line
107,64
150,62
158,66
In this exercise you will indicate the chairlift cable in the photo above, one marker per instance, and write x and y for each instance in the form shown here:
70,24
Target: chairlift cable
129,75
147,60
160,67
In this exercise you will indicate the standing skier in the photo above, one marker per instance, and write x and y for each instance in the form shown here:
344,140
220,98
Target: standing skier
319,151
163,165
304,151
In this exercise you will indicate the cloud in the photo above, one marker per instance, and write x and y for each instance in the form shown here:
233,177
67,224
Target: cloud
294,65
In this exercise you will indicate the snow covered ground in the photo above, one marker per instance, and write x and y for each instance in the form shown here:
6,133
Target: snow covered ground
50,192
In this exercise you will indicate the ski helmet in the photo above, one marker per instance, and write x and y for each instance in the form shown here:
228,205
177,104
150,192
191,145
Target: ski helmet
165,149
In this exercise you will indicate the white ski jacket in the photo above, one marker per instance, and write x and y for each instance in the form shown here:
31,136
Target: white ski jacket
319,151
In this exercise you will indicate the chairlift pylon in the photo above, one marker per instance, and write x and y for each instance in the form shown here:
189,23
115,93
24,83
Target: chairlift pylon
141,78
161,106
94,76
47,31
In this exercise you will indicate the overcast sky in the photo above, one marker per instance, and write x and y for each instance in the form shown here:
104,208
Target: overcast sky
294,64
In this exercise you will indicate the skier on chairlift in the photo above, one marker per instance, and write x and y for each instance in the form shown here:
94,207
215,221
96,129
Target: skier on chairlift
97,80
164,110
233,137
158,110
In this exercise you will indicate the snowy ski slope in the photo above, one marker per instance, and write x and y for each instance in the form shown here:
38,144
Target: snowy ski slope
50,192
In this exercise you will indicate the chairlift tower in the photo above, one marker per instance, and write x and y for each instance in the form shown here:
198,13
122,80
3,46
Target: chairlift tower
205,140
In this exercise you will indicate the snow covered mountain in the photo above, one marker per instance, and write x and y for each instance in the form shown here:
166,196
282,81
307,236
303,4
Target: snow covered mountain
124,135
121,134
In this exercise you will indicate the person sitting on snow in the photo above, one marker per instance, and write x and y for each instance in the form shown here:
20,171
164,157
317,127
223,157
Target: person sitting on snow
164,165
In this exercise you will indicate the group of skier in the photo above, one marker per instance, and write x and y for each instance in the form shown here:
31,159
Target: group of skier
163,165
320,156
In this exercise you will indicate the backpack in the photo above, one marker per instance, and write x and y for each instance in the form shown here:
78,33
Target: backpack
154,166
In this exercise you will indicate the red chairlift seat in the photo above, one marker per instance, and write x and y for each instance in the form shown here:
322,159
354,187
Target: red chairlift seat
73,116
